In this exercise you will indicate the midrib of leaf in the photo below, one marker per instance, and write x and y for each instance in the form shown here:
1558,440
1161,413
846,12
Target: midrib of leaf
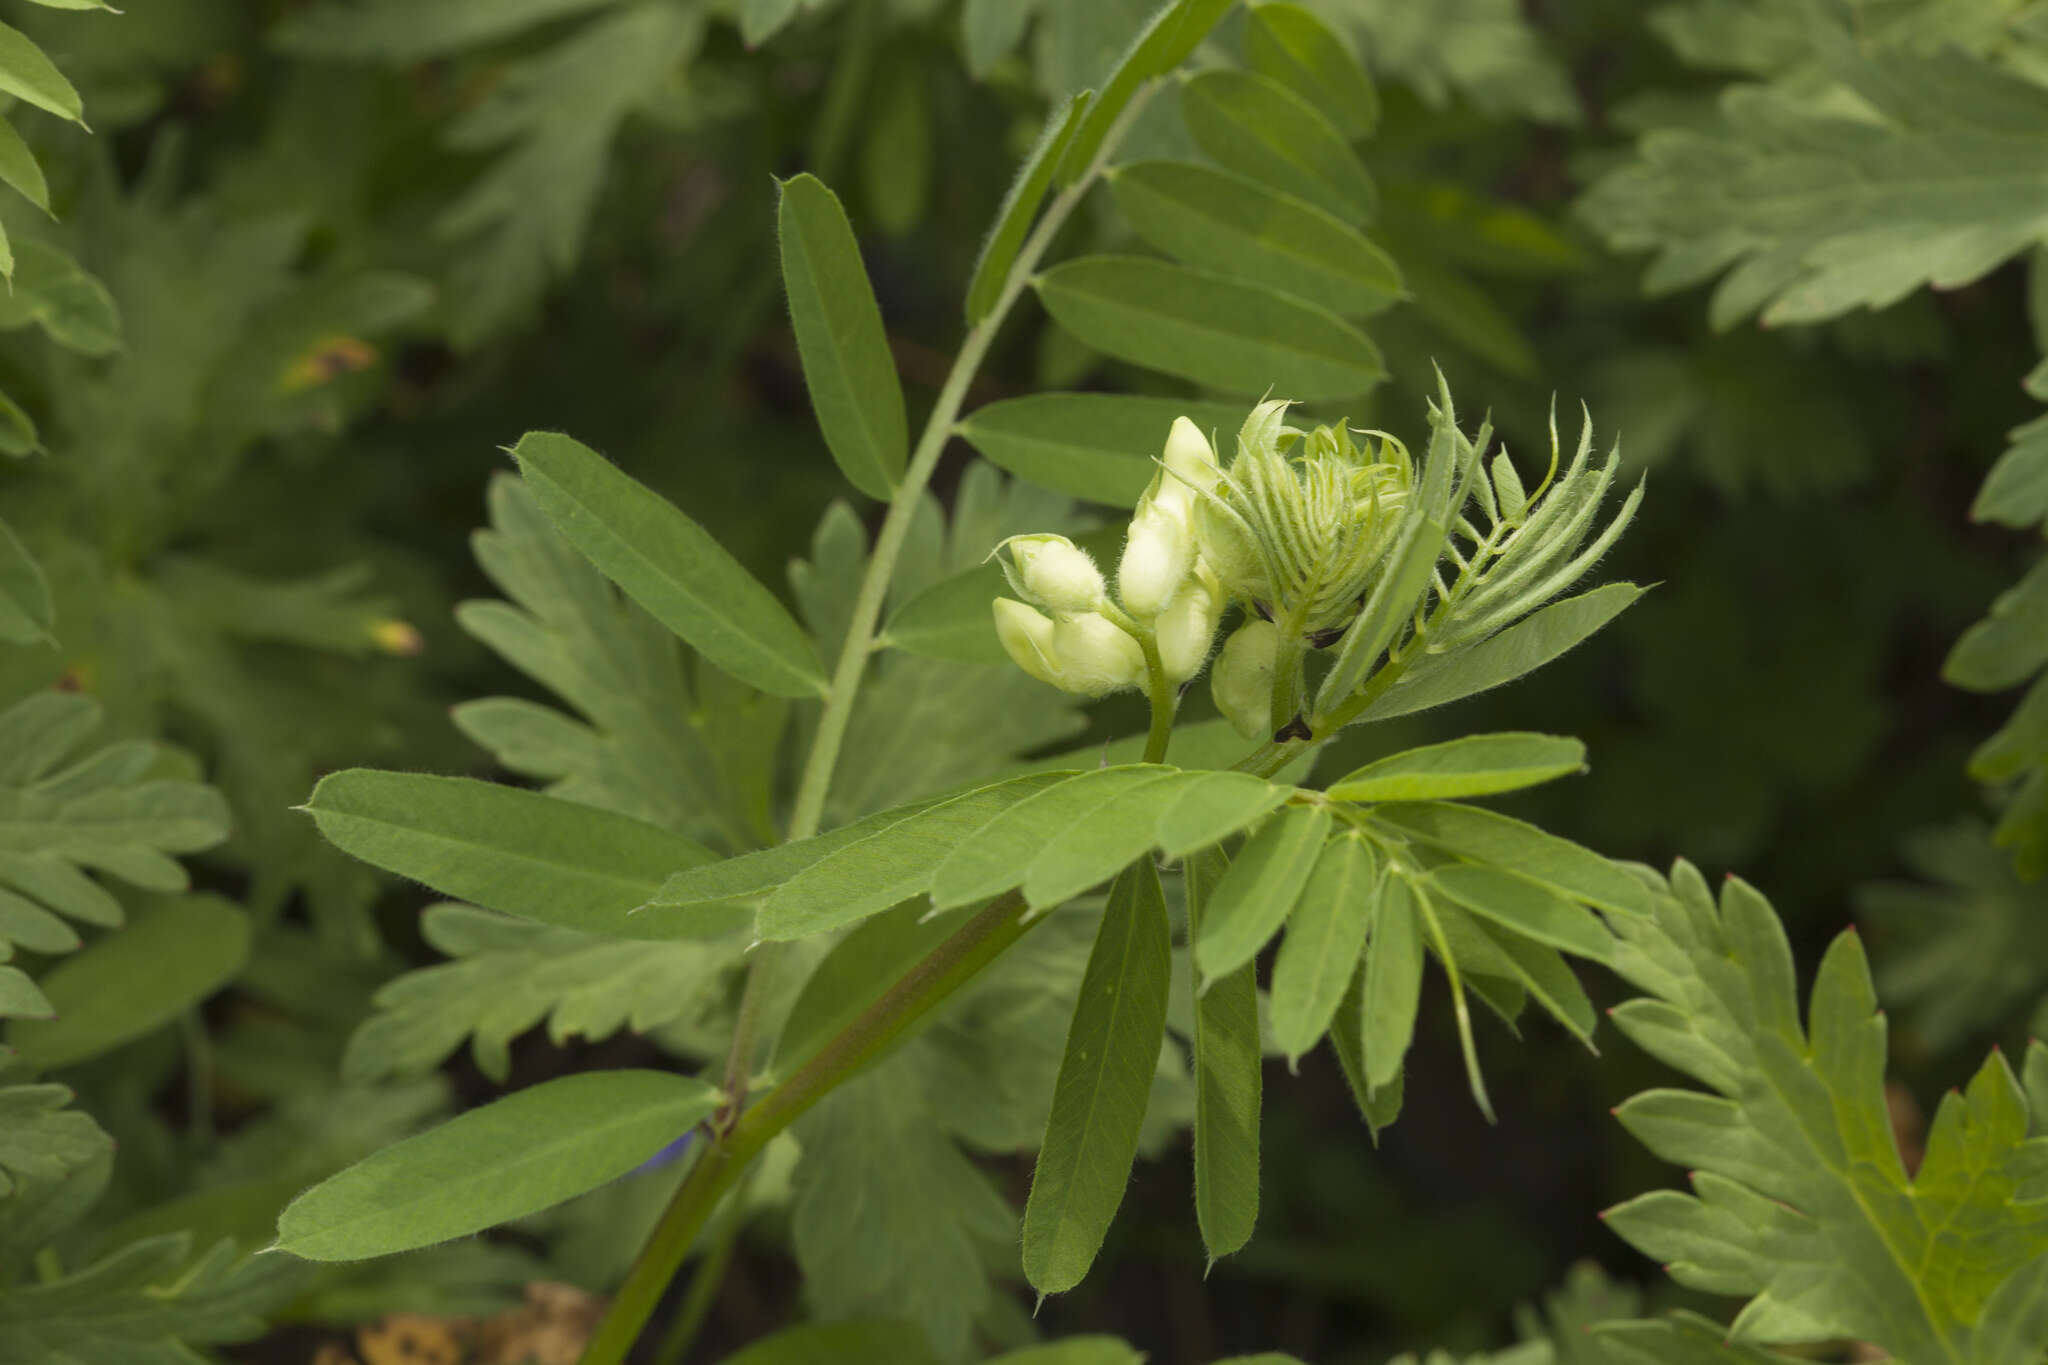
633,886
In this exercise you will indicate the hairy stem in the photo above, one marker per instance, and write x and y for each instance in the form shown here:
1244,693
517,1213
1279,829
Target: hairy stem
1164,699
927,985
739,1133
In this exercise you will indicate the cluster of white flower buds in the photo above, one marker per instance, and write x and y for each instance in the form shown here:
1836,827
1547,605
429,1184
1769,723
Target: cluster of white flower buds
1068,631
1295,529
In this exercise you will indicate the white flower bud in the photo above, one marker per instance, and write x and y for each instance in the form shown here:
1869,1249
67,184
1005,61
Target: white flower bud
1191,467
1157,557
1052,572
1242,680
1187,628
1095,656
1027,637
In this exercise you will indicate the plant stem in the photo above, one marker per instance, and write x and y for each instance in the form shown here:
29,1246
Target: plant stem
1164,699
696,1305
739,1133
943,971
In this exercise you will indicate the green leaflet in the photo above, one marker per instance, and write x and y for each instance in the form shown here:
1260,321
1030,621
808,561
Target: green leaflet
511,1157
29,76
1212,807
751,878
1392,987
1005,850
1224,222
895,860
25,611
670,565
1800,1202
1477,765
20,998
1521,648
1292,46
1098,446
1218,331
1162,45
1325,934
1227,1083
1540,971
1379,1108
1499,841
847,365
164,961
1529,909
1020,202
1105,1080
509,849
2007,647
1099,843
1257,127
1262,886
632,747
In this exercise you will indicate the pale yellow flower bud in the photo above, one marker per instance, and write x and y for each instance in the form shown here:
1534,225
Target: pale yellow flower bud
1187,628
1027,637
1190,461
1242,680
1158,555
1095,656
1052,572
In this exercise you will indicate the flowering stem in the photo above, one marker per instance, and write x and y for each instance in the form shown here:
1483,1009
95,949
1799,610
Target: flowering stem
1164,698
739,1133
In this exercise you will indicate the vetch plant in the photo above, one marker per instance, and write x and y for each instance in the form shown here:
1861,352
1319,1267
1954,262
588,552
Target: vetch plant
849,940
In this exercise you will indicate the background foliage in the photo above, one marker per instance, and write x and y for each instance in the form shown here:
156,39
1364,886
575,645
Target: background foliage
273,317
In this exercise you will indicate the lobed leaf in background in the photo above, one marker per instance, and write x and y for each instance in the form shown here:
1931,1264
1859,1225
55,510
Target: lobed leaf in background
1812,212
1801,1202
65,808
